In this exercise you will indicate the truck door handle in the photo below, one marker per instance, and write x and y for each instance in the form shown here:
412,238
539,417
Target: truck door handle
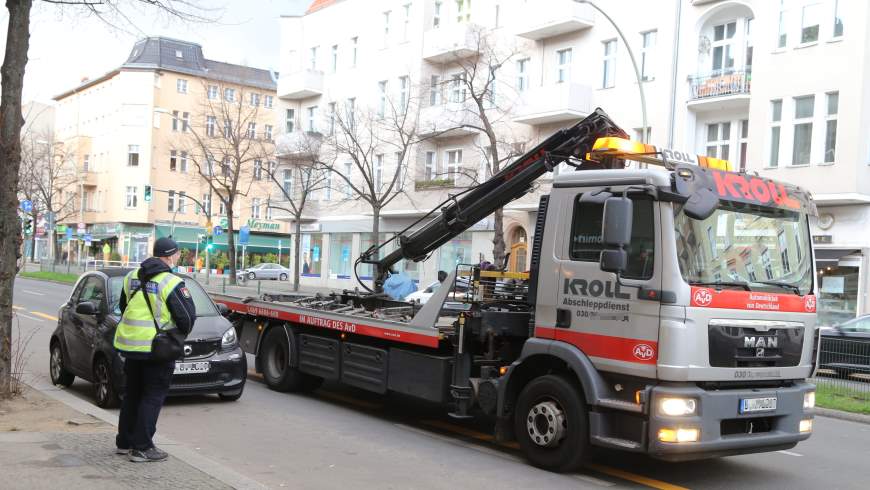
563,318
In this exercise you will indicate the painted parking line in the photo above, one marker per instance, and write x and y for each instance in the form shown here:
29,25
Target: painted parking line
24,315
633,477
16,307
790,453
32,292
43,315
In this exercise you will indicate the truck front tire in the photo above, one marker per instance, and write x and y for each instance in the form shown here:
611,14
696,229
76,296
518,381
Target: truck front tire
551,424
277,372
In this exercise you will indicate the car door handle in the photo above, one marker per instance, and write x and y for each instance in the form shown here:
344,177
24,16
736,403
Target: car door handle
563,318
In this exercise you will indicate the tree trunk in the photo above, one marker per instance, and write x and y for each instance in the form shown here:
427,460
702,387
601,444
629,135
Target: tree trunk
498,245
14,62
231,243
297,238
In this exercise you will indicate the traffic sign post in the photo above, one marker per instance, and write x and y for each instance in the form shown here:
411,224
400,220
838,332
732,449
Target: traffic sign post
218,231
27,205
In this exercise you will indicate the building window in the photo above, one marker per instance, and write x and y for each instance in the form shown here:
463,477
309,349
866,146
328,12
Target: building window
454,161
185,122
86,163
269,213
176,121
312,57
255,208
744,143
210,123
222,206
378,172
803,129
463,10
747,39
719,140
404,93
172,161
434,90
382,98
723,48
775,123
838,21
348,171
331,117
252,130
228,128
407,21
563,62
289,120
212,92
206,202
334,58
209,162
497,12
230,94
783,252
457,87
833,99
182,162
312,118
170,203
647,55
766,264
436,16
258,170
431,168
182,202
255,99
327,187
608,78
267,101
181,86
522,75
287,186
132,197
400,170
225,167
810,23
267,132
782,37
386,28
354,42
133,155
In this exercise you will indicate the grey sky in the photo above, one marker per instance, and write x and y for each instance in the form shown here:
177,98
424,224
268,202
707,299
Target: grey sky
66,46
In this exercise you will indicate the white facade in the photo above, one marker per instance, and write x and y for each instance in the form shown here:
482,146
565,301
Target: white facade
714,74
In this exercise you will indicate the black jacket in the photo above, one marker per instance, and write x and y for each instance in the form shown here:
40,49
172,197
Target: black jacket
179,302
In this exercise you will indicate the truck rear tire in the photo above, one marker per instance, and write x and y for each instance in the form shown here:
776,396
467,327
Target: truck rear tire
277,372
551,423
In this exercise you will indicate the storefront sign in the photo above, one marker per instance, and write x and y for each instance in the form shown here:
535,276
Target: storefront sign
823,239
256,225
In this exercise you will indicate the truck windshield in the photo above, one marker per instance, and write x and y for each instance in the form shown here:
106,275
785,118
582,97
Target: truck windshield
746,246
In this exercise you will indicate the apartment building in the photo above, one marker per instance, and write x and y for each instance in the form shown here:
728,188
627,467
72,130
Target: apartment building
147,125
756,82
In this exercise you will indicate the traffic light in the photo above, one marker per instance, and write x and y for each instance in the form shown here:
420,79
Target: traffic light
28,226
209,245
147,193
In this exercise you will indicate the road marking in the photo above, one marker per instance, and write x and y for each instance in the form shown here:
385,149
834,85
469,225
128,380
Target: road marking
789,453
32,292
22,315
14,307
625,475
43,315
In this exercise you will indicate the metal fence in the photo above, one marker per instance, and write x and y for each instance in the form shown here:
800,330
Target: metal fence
844,367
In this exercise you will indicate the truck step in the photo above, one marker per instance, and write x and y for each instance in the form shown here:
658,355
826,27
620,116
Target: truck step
617,443
620,405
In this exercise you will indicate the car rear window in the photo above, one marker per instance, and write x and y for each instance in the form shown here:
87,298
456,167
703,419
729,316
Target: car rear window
202,302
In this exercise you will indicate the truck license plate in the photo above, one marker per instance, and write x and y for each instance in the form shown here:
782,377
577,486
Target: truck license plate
757,404
191,367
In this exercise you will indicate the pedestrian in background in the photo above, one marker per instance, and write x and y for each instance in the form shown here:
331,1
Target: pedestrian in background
157,314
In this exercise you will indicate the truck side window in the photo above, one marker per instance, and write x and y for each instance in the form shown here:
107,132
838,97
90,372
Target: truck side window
586,244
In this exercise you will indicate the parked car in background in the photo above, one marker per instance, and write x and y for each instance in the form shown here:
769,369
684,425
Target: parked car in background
82,343
265,270
845,348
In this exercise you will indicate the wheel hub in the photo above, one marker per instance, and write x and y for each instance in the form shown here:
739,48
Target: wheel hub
546,424
55,363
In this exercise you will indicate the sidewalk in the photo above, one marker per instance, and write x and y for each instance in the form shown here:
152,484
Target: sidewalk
45,443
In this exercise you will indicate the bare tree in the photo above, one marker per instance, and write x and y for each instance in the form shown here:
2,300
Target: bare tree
115,13
223,144
306,177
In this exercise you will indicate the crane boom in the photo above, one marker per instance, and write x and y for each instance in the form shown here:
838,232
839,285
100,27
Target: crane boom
509,184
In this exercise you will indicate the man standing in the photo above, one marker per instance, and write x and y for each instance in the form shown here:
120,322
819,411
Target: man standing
107,252
147,379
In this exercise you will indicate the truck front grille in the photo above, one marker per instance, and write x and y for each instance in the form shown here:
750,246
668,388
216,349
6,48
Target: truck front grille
744,347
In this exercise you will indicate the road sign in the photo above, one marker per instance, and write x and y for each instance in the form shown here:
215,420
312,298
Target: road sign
244,235
26,205
69,232
88,239
218,231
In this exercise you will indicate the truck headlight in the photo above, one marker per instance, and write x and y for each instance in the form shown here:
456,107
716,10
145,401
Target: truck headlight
806,425
676,407
810,399
229,339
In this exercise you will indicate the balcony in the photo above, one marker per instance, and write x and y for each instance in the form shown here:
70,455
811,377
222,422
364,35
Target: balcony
559,17
449,120
300,85
450,42
720,92
553,104
298,144
88,179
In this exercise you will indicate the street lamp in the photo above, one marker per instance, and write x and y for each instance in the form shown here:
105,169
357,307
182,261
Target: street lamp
643,137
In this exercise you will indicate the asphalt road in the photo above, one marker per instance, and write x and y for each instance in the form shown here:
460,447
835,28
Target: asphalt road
339,436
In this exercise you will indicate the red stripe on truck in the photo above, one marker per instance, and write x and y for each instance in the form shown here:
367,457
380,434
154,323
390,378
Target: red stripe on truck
340,325
605,346
752,300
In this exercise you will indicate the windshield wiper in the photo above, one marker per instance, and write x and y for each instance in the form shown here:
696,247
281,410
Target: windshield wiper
739,284
783,285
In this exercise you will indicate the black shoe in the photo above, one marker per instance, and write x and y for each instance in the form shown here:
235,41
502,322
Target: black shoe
148,455
122,450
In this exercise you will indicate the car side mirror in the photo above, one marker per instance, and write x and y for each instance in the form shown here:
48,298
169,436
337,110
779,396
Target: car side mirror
223,309
616,233
86,308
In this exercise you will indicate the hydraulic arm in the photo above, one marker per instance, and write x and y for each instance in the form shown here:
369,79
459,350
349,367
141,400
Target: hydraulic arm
509,184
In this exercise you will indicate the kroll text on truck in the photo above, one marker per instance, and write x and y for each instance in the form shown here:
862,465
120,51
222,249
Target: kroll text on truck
669,310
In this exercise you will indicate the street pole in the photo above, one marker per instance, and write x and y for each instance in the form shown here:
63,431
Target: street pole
196,256
279,252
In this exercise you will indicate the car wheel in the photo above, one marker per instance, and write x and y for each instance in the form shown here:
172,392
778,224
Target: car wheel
104,386
551,424
59,374
251,276
277,373
283,277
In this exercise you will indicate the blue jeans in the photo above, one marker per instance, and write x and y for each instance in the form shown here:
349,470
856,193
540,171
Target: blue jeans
146,387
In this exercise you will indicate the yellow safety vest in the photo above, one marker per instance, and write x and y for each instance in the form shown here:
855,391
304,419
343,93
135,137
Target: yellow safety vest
136,330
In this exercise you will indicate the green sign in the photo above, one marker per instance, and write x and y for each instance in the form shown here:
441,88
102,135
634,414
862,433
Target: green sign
256,225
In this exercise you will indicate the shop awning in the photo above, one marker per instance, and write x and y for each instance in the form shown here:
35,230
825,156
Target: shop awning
187,237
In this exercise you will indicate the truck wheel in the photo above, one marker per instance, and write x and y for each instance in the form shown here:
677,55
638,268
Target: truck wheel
277,372
551,424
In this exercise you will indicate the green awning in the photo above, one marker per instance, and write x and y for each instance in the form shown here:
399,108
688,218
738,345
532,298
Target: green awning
187,237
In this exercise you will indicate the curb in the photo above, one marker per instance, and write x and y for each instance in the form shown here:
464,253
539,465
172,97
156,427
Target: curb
186,455
839,414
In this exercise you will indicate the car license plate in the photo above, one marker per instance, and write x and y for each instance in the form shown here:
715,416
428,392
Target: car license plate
757,404
191,367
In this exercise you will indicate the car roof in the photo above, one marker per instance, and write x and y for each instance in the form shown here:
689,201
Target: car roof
114,271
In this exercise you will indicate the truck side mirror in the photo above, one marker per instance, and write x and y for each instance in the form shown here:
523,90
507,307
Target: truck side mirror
616,233
701,204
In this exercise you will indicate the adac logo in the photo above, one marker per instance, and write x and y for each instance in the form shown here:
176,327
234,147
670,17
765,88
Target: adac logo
810,303
702,297
644,352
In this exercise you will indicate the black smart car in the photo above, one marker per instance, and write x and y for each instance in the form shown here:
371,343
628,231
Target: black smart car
82,343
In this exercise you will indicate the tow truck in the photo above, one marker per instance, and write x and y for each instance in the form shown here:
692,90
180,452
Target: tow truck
669,310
